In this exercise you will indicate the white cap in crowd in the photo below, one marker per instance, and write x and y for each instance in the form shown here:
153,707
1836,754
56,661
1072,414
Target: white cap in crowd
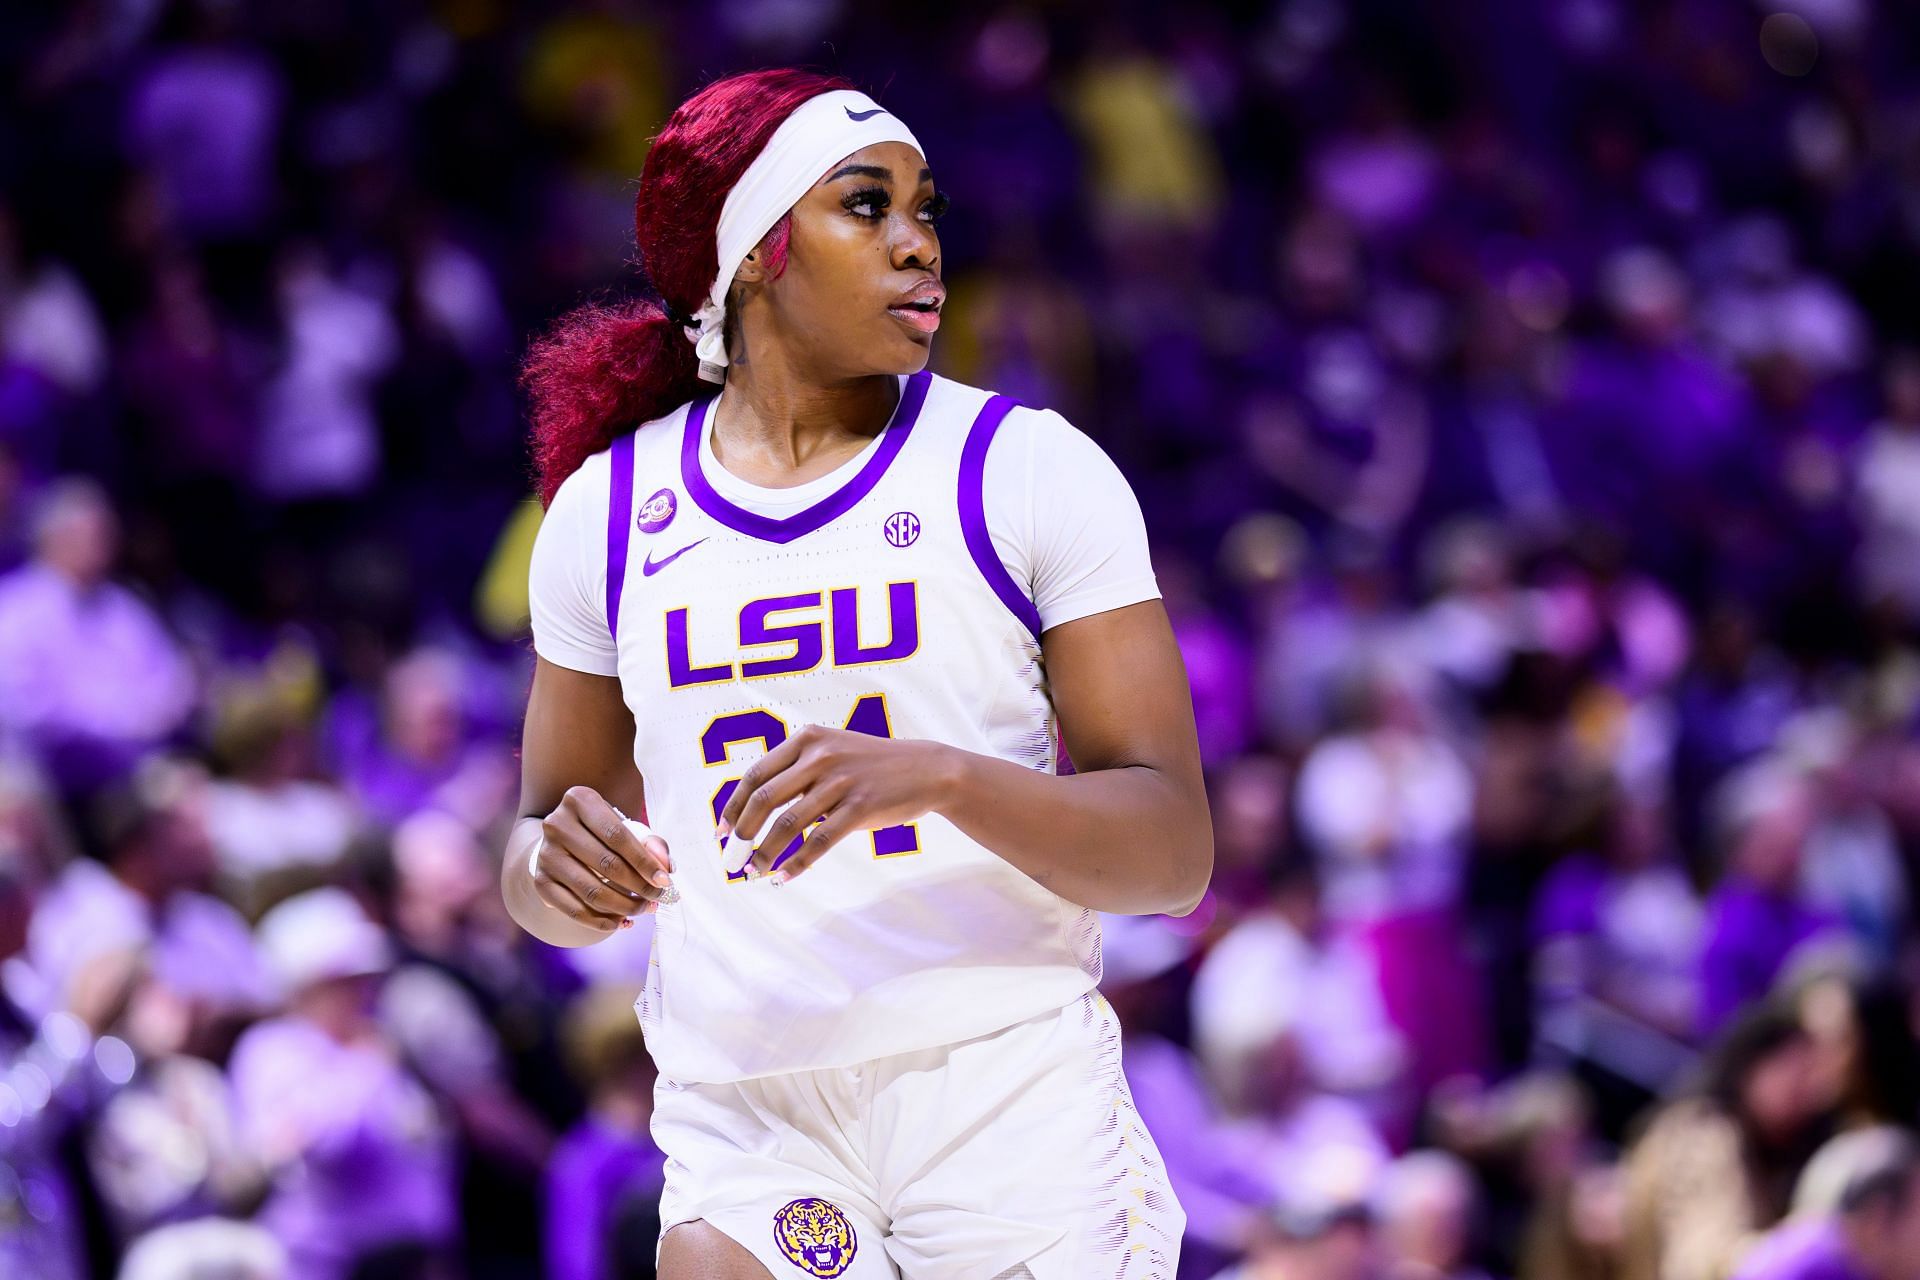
321,934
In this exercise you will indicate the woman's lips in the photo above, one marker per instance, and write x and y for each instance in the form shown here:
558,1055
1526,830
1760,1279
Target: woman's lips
919,321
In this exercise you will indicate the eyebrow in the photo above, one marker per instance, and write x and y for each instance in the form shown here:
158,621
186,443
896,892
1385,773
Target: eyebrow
870,171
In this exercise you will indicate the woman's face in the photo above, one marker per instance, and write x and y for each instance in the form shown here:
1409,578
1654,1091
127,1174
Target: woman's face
862,244
1782,1091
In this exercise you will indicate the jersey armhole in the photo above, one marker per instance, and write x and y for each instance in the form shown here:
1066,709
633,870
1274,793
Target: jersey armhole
973,513
619,526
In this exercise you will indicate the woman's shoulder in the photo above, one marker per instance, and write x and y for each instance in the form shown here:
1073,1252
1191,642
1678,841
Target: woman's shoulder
587,484
594,474
1689,1131
657,440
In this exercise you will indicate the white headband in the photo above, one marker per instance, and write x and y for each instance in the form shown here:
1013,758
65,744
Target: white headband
821,131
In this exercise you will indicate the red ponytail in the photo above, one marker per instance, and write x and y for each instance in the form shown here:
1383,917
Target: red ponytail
605,368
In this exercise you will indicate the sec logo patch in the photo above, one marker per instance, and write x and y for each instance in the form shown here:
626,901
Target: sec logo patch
902,528
814,1235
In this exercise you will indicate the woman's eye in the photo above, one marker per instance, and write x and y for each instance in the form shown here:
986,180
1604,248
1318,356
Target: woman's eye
873,205
870,204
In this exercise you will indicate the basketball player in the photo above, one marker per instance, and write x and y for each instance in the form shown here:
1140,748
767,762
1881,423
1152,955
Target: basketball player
838,613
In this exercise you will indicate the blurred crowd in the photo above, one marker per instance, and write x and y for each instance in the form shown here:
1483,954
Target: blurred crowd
1524,396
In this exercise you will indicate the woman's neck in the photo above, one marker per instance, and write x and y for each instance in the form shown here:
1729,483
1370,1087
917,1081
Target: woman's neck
772,427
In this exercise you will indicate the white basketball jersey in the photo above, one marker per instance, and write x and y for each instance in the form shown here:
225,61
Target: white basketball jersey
881,608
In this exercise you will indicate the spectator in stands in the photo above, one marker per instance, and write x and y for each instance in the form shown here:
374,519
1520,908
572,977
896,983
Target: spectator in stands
89,676
357,1150
1862,1219
1756,918
1716,1167
1426,1205
603,1185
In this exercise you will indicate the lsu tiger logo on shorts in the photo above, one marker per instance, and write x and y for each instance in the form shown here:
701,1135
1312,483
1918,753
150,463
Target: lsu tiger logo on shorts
815,1236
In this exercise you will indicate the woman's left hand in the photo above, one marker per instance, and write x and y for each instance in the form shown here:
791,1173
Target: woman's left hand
844,780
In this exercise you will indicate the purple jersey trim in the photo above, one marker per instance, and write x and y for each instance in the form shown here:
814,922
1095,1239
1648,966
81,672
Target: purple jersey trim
831,507
973,513
619,523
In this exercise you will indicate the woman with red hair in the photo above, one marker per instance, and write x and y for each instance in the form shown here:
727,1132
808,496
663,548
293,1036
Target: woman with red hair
825,630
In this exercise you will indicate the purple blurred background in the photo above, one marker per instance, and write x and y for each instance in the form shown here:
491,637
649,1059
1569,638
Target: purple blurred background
1525,400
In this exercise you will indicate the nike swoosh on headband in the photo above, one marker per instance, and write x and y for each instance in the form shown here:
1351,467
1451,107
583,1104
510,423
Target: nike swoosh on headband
650,566
862,115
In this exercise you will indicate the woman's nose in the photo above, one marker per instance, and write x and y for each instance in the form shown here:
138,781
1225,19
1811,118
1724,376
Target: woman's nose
915,245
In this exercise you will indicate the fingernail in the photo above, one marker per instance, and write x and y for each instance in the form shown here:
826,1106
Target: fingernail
626,922
780,878
723,829
661,880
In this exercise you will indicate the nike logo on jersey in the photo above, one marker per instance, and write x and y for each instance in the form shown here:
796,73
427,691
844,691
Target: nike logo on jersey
652,566
860,115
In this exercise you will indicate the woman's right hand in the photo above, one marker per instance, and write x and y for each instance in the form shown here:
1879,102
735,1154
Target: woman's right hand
598,867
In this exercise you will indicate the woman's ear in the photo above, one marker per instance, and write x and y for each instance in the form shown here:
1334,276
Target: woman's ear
752,269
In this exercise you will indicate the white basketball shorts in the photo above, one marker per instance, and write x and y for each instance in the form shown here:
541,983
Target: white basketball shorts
960,1162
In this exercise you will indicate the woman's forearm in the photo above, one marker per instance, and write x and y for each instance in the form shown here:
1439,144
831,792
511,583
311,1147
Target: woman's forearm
1128,840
